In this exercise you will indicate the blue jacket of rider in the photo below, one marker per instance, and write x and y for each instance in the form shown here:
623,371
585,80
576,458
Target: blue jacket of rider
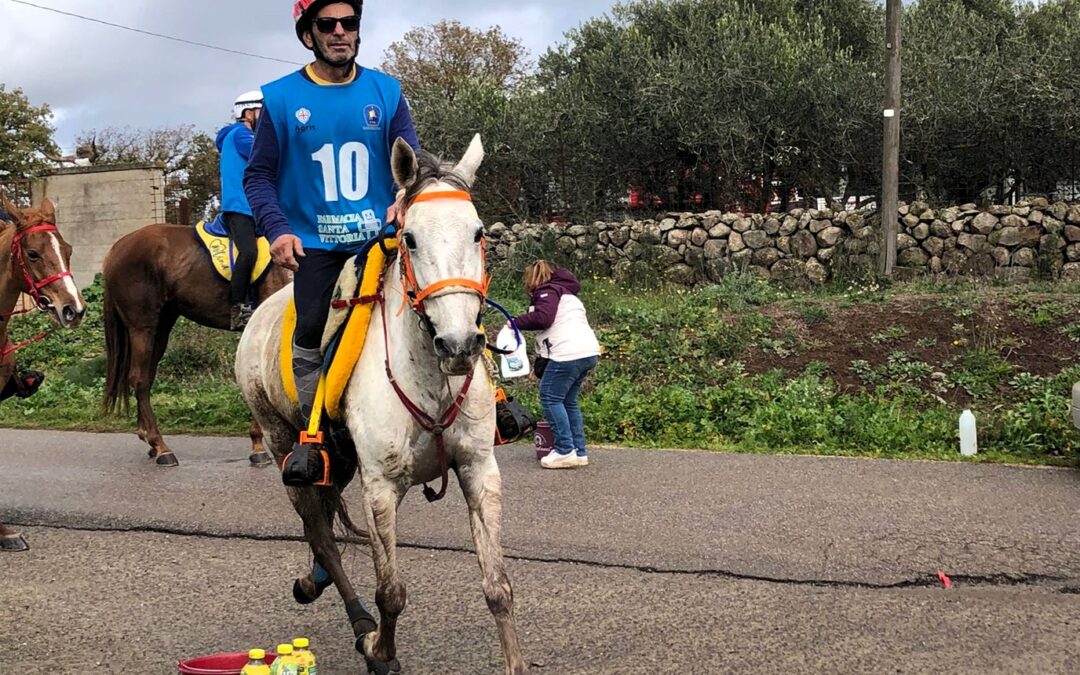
234,142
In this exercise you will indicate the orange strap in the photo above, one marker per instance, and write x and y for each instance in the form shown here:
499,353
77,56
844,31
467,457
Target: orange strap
445,283
408,279
443,194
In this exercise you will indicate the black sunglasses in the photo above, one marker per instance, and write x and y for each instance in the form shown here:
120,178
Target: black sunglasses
327,25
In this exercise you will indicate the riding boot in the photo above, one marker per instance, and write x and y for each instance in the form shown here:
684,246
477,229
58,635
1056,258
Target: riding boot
239,316
308,463
22,384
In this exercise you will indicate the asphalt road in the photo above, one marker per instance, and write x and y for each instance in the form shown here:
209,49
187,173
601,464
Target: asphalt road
645,562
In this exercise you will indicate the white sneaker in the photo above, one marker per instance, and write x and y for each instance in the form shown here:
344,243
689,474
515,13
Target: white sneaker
557,460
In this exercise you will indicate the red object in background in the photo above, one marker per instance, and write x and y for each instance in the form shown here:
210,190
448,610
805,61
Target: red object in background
545,439
637,199
945,580
231,663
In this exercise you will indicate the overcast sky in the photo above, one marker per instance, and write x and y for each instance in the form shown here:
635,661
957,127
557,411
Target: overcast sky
95,76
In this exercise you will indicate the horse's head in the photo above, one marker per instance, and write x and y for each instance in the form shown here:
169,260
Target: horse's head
441,244
41,262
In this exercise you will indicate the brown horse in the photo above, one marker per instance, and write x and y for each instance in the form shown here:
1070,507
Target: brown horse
34,259
153,276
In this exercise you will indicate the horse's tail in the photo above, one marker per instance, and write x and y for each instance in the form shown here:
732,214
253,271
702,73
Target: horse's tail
350,527
118,356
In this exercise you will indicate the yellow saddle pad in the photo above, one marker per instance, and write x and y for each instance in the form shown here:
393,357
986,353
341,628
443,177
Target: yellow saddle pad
220,250
352,341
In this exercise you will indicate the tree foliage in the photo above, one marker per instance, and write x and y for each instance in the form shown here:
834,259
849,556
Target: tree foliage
26,135
722,103
437,60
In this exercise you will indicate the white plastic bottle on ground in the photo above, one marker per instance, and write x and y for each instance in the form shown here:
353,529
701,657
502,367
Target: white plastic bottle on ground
969,439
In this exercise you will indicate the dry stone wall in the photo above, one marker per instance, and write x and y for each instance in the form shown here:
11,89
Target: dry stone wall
1033,239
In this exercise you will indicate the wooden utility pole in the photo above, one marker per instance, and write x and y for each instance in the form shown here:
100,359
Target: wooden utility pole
890,165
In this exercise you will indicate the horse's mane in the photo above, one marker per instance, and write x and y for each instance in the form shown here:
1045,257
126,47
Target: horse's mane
430,169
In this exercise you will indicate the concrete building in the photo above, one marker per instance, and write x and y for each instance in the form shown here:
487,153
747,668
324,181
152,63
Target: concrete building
95,206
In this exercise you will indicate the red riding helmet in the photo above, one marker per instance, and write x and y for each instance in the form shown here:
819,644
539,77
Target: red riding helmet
304,12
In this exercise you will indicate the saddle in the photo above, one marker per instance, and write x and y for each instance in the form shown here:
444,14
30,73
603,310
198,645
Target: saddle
345,333
353,301
215,239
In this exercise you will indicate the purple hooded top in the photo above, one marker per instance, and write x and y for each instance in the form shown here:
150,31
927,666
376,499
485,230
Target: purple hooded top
545,300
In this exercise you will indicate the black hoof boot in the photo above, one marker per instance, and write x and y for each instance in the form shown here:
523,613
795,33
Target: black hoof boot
167,460
260,459
13,543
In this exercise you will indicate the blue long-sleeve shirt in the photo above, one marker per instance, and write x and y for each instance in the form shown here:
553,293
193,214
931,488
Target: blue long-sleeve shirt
234,142
261,176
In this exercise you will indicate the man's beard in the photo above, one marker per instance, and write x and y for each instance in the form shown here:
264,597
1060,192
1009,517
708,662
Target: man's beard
341,63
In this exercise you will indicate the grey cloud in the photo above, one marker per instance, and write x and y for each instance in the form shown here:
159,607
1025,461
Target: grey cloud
95,76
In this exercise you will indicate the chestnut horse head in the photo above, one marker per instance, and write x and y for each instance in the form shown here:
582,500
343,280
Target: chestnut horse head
39,262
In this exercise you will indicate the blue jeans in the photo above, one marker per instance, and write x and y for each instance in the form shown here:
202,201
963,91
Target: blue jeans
559,392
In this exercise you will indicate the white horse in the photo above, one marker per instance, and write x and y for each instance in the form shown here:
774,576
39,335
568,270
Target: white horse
433,352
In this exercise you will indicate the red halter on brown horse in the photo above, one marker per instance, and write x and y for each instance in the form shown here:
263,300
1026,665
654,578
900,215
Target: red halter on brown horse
34,259
153,276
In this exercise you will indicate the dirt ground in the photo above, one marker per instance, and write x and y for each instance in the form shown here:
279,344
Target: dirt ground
1026,332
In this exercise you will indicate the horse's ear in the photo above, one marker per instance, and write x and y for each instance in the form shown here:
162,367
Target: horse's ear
48,211
11,209
403,163
469,164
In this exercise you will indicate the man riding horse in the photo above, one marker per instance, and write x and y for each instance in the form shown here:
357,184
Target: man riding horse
319,179
234,142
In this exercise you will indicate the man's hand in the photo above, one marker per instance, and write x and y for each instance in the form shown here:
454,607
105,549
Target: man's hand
392,214
285,250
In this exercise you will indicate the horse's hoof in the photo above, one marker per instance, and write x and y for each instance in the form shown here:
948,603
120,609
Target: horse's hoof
302,596
383,667
13,543
167,459
260,459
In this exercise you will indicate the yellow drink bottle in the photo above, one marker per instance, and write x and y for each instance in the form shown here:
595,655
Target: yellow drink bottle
304,656
285,663
256,664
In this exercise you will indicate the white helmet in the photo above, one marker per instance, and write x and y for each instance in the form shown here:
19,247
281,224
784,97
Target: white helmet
252,100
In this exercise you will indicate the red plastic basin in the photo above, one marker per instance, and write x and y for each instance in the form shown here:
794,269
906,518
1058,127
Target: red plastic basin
218,664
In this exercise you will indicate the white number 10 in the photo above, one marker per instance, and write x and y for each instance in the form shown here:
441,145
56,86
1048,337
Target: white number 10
350,171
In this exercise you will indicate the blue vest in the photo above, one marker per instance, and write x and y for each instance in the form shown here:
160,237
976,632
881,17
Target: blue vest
334,178
232,167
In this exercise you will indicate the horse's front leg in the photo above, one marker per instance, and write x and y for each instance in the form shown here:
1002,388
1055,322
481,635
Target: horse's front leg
381,498
482,486
11,541
317,507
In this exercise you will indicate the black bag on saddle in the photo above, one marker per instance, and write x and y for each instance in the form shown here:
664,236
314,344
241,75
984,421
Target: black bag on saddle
512,420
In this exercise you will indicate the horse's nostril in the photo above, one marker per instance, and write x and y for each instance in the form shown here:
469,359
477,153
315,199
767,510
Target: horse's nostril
479,342
69,313
441,348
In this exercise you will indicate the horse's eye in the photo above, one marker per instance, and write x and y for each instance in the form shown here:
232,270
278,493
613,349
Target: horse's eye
479,234
410,241
33,256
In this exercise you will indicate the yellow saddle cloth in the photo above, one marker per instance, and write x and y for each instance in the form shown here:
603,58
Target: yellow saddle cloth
347,351
221,253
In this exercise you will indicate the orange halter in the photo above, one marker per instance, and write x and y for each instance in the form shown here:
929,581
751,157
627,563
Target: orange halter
414,294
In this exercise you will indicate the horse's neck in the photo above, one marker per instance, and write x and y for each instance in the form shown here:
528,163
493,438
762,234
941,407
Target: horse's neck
9,284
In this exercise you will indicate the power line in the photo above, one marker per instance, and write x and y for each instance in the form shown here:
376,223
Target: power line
152,34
